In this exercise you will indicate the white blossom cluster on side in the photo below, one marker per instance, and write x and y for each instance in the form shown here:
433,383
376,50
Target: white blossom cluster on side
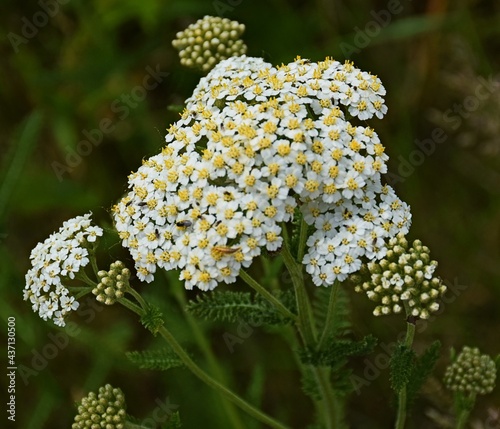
58,258
254,144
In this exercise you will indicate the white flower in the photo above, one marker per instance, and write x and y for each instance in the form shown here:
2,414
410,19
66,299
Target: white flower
254,143
62,255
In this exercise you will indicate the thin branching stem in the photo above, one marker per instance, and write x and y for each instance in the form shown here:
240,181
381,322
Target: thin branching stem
255,285
229,407
203,376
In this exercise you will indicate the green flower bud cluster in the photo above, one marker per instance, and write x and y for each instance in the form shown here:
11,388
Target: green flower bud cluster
104,410
208,41
113,283
471,372
403,278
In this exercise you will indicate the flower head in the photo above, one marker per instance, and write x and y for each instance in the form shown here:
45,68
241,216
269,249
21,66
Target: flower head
208,41
104,410
471,372
255,145
404,277
60,257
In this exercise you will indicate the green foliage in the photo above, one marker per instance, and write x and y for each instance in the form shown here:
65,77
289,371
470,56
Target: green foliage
162,359
234,306
402,366
423,368
410,371
152,319
340,322
310,384
335,353
173,422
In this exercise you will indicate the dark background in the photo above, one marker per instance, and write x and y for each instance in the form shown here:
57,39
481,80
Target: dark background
64,74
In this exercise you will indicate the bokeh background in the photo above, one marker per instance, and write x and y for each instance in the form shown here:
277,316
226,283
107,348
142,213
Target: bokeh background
66,68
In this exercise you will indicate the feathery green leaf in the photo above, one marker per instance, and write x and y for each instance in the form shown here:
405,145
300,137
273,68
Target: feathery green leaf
341,311
235,306
155,359
423,368
335,353
402,366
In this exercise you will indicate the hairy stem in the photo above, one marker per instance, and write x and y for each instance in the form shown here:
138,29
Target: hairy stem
401,416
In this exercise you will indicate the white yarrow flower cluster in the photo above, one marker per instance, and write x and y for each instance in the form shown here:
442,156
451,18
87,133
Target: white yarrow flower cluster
59,257
254,144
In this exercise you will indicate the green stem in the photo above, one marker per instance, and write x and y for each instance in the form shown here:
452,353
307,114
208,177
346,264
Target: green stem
230,410
307,332
203,376
463,407
131,306
401,416
137,296
93,261
462,419
305,320
82,292
255,285
223,390
82,275
302,240
327,331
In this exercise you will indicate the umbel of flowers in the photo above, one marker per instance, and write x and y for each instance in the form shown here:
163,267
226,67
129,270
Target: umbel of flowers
208,41
256,145
471,373
56,261
404,277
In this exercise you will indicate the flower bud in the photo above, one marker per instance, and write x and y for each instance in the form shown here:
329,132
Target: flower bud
209,41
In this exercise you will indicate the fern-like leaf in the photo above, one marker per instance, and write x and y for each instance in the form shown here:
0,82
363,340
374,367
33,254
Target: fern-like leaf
423,368
341,324
155,359
335,353
152,319
402,366
236,306
310,384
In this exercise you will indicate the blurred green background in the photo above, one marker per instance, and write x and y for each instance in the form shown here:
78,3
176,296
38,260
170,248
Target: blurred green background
67,67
